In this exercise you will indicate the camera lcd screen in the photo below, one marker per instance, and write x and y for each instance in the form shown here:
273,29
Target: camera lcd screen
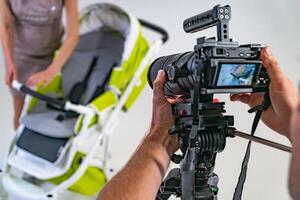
237,74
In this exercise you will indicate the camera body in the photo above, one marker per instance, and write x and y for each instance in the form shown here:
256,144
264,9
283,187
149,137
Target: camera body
230,68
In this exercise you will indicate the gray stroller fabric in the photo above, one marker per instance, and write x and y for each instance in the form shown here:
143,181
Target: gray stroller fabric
104,15
107,46
46,124
52,128
41,106
102,38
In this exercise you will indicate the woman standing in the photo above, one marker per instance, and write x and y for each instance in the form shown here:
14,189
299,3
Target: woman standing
31,31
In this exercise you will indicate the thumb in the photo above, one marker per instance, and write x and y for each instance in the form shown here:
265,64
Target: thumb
158,85
271,65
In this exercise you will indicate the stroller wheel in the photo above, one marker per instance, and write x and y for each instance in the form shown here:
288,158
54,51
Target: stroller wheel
50,196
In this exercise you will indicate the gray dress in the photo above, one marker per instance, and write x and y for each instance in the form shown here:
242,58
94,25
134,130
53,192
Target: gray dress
38,33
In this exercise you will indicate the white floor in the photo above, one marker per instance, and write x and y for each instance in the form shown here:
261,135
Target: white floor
273,22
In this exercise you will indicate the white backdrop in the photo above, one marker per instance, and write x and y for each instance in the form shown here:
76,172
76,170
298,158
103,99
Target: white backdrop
273,22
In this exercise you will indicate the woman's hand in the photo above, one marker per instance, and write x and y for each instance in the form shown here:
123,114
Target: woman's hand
10,75
284,97
42,78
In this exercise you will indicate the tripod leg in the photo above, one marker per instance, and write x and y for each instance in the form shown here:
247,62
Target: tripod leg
213,182
170,185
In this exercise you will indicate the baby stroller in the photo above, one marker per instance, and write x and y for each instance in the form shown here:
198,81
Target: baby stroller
63,140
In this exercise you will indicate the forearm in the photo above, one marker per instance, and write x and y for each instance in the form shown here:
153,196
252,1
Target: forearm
143,174
64,54
294,168
72,38
7,40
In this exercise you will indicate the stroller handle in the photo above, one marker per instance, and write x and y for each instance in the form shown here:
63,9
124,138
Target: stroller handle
61,104
21,87
155,28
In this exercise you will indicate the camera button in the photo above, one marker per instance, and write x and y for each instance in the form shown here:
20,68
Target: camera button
215,100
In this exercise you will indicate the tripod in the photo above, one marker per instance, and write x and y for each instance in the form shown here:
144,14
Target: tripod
200,140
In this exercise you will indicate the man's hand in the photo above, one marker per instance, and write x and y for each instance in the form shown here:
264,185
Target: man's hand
294,179
162,117
144,172
42,78
10,75
284,96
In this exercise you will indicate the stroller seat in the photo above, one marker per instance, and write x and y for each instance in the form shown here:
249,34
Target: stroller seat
50,124
48,128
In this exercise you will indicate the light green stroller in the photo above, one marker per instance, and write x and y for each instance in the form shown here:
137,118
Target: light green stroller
62,142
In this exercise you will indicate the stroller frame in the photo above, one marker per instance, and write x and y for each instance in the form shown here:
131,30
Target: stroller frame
106,128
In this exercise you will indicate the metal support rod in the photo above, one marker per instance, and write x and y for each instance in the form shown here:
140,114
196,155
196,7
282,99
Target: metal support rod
263,141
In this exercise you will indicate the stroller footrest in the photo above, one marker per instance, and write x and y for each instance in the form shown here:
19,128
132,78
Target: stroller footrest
48,148
22,189
34,166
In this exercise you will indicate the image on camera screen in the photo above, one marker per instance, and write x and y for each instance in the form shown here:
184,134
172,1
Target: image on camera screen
236,74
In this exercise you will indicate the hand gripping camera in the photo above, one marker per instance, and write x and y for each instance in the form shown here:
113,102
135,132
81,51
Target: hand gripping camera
217,65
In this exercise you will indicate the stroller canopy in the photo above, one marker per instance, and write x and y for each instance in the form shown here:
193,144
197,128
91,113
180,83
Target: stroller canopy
102,15
96,16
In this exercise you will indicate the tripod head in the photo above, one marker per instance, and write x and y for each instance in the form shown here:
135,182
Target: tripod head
195,179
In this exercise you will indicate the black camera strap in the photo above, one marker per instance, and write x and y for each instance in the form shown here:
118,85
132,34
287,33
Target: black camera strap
243,174
190,157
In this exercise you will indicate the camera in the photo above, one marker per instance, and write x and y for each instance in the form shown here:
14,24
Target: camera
226,66
217,65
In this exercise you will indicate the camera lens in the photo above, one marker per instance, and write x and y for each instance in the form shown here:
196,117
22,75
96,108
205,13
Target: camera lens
182,67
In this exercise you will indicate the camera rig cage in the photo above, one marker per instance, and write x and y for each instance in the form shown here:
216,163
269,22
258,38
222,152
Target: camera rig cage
211,54
199,121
